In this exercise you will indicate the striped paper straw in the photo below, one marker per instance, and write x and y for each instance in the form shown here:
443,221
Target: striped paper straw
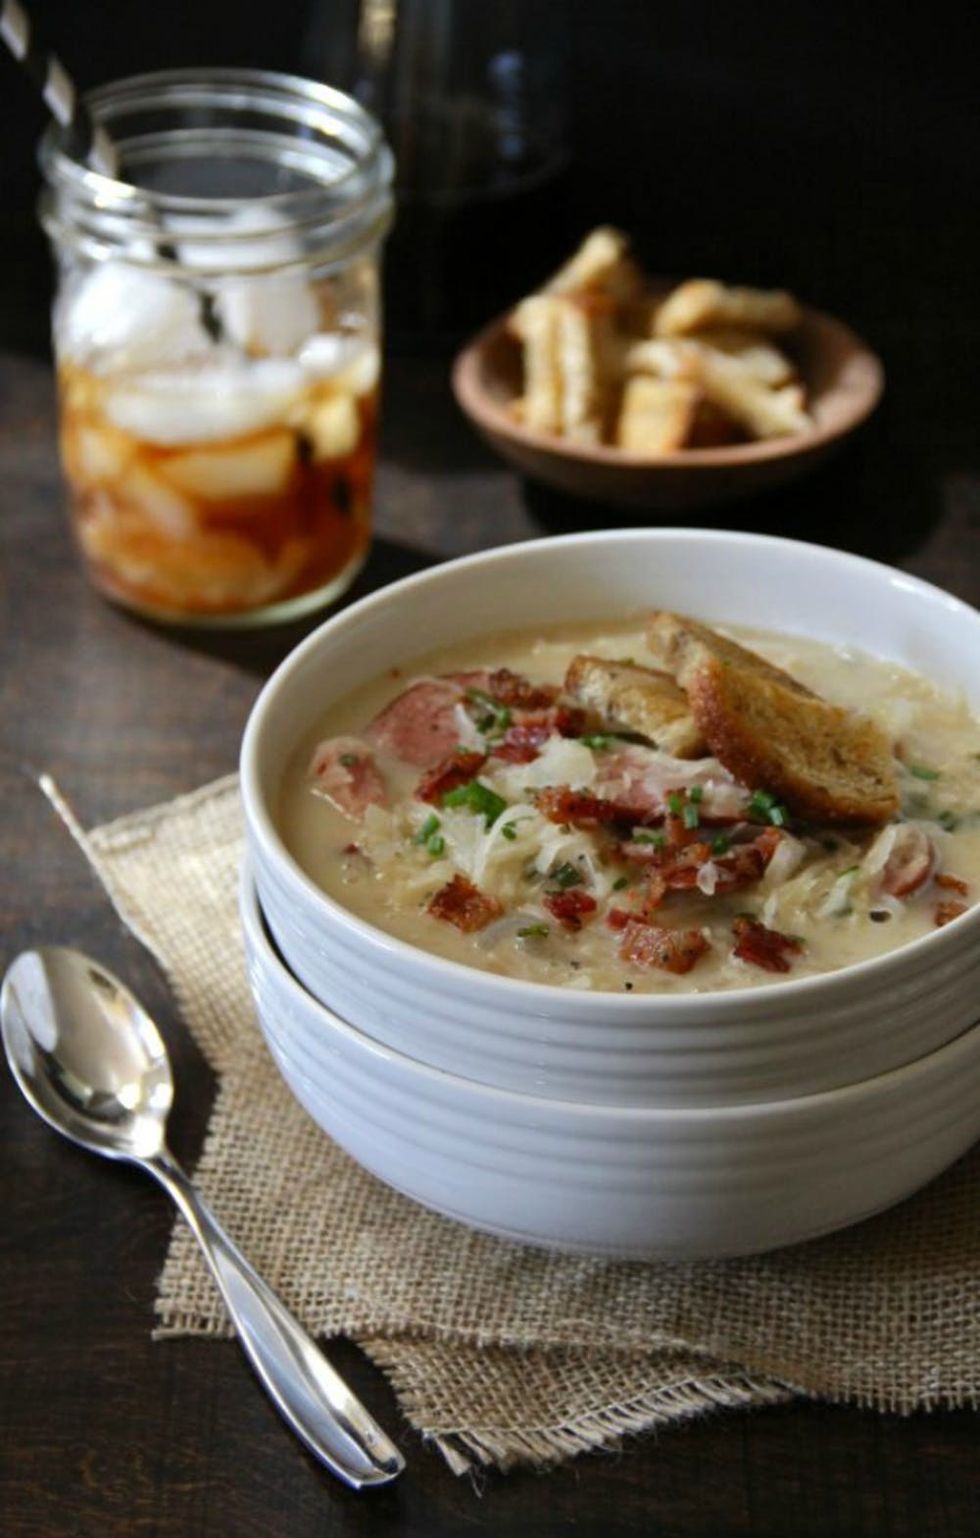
88,138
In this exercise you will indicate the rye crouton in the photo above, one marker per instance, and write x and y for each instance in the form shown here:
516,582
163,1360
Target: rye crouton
680,644
637,699
825,763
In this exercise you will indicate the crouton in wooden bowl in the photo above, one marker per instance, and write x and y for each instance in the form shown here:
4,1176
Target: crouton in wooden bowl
622,388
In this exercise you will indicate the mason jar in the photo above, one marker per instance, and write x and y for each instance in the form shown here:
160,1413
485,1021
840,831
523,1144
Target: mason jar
217,337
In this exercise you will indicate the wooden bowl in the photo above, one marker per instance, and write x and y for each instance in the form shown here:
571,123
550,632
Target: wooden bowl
843,377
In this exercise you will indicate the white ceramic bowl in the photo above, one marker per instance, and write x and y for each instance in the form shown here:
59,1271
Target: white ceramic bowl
767,1042
632,1182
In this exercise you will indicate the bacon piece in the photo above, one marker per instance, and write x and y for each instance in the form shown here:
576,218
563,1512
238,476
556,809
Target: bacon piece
951,884
523,740
945,913
461,903
911,862
420,726
522,743
458,769
678,869
517,692
673,950
343,770
763,947
559,803
570,908
618,918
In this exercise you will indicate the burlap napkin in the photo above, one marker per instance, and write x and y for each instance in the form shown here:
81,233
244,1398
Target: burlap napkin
498,1353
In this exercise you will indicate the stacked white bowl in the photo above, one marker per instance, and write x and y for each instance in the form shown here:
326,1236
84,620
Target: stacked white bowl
681,1126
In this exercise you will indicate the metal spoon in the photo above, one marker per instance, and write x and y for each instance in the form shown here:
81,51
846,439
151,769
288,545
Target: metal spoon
92,1063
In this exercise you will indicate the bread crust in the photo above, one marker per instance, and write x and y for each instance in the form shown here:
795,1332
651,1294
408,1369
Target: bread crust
641,699
827,764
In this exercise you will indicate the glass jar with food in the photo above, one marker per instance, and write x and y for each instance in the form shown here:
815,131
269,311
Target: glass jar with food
217,336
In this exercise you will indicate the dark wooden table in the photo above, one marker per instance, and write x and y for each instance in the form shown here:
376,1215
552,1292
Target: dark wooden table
102,1432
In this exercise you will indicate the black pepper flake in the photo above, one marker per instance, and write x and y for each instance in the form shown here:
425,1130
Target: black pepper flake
879,916
628,987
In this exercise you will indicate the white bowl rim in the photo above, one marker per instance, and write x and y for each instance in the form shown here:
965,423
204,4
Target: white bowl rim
574,1001
844,1096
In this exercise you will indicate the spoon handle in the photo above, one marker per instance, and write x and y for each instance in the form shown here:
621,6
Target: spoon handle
310,1396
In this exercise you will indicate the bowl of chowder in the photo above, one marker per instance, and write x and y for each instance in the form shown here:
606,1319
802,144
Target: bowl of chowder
658,817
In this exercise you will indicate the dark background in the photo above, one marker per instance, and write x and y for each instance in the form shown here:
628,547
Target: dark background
829,147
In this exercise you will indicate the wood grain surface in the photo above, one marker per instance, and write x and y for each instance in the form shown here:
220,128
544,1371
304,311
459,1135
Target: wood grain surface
106,1435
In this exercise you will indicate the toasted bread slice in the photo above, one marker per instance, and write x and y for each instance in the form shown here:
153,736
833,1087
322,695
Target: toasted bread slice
602,265
657,416
701,303
755,352
583,370
682,644
535,323
825,763
638,699
567,366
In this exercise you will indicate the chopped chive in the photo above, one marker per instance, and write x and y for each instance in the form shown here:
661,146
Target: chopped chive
761,801
619,883
640,836
922,772
721,844
509,832
850,870
566,875
534,931
675,803
691,817
777,816
597,740
696,794
350,760
430,826
477,797
436,845
497,717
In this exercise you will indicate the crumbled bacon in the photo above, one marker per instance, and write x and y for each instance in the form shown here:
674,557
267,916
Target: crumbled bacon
458,769
511,689
523,740
945,913
618,918
461,903
763,947
673,950
559,803
951,884
679,869
570,908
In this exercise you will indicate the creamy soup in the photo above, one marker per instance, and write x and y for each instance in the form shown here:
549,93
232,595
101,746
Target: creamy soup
468,806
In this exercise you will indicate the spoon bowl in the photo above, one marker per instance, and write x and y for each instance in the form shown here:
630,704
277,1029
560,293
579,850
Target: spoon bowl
93,1065
86,1054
